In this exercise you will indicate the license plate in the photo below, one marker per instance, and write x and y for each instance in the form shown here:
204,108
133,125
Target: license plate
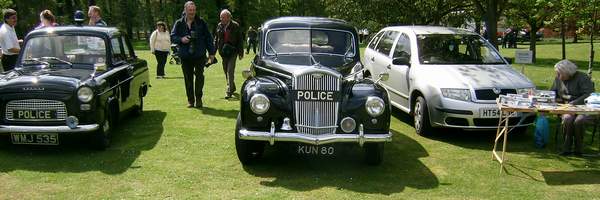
315,150
34,114
493,113
34,138
314,95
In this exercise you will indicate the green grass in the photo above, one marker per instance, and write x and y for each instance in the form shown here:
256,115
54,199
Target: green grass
173,152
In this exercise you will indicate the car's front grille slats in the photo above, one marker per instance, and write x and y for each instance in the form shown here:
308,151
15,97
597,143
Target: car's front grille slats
36,105
316,117
489,94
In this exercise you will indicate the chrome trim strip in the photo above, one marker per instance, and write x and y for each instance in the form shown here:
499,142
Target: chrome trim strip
274,72
313,139
48,129
394,91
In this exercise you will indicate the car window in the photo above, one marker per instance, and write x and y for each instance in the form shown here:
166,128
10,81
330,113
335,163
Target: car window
387,41
126,48
402,48
375,39
117,50
453,49
302,41
81,51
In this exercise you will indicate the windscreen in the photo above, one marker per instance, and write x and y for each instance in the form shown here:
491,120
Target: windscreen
451,49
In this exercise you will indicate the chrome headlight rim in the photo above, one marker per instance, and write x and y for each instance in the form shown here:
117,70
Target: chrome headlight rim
459,94
258,97
375,101
350,129
85,94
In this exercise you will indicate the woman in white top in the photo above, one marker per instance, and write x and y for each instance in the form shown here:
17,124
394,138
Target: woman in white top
160,43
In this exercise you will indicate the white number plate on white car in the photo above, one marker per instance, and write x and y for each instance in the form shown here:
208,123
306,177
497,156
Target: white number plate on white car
493,113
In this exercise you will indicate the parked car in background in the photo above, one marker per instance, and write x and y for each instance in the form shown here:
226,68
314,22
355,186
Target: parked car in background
444,77
305,87
71,81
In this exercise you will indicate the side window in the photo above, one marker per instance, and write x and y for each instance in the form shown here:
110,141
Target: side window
386,43
117,50
402,47
126,48
375,40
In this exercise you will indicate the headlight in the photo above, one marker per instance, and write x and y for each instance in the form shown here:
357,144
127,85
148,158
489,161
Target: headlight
524,90
85,94
259,103
458,94
375,106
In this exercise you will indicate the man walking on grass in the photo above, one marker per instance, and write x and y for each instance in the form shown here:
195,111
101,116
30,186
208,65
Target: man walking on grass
229,42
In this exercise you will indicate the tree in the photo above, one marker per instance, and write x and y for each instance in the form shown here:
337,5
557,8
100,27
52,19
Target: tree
492,10
534,13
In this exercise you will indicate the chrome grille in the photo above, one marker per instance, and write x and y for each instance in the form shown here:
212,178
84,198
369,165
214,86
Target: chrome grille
315,117
36,104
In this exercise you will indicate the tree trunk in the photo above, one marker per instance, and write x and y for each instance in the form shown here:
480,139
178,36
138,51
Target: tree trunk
562,36
149,16
575,39
593,29
492,22
91,2
533,40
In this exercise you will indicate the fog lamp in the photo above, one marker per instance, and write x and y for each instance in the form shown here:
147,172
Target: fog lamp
72,122
348,125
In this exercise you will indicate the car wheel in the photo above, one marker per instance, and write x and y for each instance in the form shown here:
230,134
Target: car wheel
101,137
421,117
373,153
247,151
139,109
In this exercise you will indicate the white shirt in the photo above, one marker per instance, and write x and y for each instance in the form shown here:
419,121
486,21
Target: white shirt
160,41
8,39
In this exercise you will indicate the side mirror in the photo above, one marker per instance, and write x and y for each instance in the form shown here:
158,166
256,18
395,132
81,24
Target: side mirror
401,61
384,76
247,73
509,60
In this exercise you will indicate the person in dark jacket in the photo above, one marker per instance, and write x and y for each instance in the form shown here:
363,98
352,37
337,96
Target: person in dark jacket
230,43
252,40
572,87
191,34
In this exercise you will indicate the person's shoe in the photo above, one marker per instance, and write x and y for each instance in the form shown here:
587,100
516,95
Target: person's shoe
199,104
159,77
228,96
190,105
564,153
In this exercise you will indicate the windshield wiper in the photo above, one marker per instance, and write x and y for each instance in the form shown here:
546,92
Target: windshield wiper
35,61
57,59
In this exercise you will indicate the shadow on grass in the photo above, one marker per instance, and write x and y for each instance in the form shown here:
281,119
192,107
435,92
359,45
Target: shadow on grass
231,114
129,140
345,170
577,177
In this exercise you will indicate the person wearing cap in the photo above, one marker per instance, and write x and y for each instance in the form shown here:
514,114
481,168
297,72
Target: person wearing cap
94,13
572,87
78,18
8,40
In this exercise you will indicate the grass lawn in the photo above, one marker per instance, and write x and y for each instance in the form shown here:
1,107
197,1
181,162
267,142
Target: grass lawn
173,152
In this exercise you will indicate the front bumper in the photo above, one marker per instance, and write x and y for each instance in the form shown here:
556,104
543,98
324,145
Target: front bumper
48,129
451,113
273,136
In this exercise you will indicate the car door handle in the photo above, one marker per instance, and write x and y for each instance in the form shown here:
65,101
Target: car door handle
389,66
372,59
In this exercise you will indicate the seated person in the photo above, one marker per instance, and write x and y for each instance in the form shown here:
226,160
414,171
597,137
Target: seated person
572,87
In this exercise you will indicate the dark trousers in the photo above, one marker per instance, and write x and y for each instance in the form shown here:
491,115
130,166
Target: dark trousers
193,75
574,127
252,44
161,60
229,70
9,61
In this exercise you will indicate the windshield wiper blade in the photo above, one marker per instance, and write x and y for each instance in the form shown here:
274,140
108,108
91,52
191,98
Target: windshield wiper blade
57,59
37,61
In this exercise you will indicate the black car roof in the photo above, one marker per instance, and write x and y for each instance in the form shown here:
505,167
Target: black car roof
96,30
308,22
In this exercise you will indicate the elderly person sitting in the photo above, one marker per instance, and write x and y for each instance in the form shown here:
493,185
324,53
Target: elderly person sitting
572,87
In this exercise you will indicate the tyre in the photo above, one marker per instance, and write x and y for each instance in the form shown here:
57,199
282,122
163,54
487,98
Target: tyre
421,117
139,109
373,153
247,151
101,138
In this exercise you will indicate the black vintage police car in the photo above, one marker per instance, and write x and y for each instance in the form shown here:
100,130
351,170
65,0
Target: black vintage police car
71,81
306,86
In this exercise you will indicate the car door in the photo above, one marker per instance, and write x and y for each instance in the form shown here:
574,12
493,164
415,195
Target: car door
123,72
382,60
370,52
137,71
399,74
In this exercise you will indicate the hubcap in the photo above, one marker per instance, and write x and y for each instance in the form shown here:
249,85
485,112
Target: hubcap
418,115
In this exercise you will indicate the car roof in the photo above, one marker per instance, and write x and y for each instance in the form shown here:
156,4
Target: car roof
308,22
97,30
424,30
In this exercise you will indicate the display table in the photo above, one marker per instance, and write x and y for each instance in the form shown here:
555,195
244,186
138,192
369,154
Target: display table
507,110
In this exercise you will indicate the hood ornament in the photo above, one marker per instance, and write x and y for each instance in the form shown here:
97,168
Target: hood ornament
496,90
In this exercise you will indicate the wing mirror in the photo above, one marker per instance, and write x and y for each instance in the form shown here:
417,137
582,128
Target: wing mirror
383,77
247,73
401,61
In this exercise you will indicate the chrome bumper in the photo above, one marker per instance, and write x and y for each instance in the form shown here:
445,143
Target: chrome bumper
272,136
48,129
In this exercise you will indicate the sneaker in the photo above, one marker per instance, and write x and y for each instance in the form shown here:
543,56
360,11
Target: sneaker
190,105
228,96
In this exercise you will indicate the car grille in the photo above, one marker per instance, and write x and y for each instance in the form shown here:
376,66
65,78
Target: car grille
489,94
36,104
315,117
